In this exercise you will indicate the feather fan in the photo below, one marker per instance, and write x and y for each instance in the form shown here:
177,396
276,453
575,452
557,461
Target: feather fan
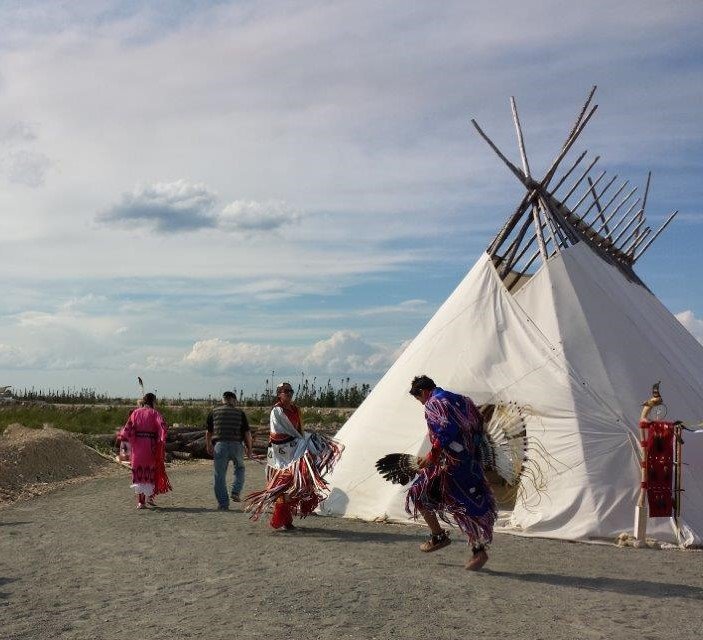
398,468
506,439
503,450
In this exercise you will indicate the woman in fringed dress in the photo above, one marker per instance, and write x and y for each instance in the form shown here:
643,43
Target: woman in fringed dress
451,481
297,463
145,432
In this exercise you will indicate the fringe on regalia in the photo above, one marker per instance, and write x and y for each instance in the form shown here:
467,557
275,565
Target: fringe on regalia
455,488
161,482
302,481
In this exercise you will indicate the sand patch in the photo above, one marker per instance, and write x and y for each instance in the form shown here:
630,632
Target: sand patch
34,461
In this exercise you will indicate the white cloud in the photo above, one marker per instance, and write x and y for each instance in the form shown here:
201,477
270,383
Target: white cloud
53,357
84,303
77,333
693,325
12,357
166,207
156,363
248,215
68,321
26,167
181,206
351,137
218,356
414,306
19,162
344,352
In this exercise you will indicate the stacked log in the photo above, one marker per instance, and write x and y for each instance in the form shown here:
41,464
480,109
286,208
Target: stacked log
186,442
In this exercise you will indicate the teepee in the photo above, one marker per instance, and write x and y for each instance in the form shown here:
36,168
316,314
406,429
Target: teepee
554,318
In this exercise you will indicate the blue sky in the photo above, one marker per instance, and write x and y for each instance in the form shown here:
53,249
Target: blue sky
200,193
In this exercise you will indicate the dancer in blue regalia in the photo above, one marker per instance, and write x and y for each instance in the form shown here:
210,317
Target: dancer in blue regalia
451,482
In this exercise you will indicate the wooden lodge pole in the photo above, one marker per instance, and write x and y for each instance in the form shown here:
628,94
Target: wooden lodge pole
614,212
678,469
580,179
565,177
637,241
585,195
656,235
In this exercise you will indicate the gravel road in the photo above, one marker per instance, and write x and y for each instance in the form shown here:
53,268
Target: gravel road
83,563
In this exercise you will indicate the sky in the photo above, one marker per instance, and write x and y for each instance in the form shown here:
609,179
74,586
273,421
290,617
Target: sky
203,193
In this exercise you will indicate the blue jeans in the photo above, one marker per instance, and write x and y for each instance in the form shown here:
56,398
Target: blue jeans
225,451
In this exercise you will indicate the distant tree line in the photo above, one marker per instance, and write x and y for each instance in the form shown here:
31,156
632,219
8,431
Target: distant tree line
308,394
311,393
85,395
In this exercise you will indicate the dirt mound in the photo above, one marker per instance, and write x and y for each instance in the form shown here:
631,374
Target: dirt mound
33,461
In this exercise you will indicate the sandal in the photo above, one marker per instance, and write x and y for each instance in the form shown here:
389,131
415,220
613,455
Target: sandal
435,542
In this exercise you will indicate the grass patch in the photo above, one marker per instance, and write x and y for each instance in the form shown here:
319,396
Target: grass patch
108,419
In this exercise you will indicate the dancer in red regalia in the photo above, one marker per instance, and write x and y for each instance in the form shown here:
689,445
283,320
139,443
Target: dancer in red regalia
297,462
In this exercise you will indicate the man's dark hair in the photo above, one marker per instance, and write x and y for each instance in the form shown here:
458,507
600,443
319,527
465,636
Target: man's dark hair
149,400
229,395
420,383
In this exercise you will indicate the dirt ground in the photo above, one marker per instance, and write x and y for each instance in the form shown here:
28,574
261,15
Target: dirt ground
83,563
36,461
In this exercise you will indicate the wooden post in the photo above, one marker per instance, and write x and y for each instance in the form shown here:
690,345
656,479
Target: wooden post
569,172
643,236
640,529
634,241
603,209
597,201
510,256
567,146
509,225
602,193
616,239
580,180
654,237
633,249
580,116
553,229
573,238
518,174
678,478
624,217
585,195
644,204
614,212
540,237
520,139
527,246
565,226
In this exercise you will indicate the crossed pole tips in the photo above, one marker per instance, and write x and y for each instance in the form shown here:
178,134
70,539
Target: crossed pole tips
618,237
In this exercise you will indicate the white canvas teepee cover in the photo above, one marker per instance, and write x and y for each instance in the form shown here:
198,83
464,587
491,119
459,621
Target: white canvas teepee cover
579,346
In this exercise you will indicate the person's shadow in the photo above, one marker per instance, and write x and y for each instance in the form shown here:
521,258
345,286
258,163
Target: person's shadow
615,585
183,509
347,535
4,581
